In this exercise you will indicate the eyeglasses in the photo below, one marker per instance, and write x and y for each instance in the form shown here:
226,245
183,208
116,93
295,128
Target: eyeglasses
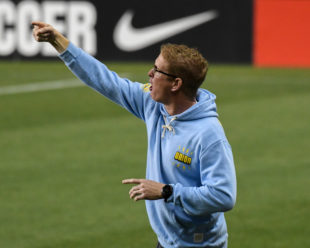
162,72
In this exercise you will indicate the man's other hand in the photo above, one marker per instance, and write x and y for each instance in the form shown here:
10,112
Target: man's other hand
145,189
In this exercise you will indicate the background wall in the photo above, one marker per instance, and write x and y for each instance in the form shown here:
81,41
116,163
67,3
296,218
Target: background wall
221,29
262,32
281,33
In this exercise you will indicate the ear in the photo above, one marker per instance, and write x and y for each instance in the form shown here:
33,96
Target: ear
177,84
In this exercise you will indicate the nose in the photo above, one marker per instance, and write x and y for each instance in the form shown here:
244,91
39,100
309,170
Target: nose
151,73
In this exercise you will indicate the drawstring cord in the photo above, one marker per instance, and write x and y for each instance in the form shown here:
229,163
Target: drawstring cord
168,126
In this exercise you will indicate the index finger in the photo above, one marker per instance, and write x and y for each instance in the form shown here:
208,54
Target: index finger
132,181
39,24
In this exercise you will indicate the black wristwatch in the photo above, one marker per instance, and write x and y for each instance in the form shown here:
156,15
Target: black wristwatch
166,191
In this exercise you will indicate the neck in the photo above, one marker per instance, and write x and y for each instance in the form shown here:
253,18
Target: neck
178,106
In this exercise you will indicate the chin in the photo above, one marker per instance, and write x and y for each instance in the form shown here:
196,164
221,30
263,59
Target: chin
154,98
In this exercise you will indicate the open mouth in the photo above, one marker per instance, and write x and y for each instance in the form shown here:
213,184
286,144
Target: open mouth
151,86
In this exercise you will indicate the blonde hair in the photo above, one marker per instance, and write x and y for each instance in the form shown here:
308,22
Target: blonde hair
186,63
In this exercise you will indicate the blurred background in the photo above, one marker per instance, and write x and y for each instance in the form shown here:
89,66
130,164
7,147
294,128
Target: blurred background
64,148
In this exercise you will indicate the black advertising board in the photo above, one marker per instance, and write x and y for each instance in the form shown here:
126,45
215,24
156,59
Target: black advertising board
131,30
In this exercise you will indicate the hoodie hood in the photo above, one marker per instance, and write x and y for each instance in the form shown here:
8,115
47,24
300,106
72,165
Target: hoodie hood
205,107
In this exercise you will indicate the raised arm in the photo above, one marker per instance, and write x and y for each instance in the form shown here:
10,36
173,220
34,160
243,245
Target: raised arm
43,32
92,72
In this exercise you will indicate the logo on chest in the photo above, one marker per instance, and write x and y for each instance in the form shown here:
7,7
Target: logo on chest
183,158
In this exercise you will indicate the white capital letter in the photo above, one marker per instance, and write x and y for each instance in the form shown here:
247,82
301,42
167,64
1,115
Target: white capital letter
51,11
81,22
28,11
7,17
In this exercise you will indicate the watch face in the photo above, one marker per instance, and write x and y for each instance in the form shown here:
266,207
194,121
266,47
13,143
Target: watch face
167,191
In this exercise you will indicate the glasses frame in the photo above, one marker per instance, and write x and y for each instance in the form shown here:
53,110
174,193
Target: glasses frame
162,72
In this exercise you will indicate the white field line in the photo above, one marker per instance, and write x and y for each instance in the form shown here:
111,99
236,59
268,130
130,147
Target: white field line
43,86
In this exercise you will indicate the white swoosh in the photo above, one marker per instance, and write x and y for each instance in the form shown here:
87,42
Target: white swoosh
128,38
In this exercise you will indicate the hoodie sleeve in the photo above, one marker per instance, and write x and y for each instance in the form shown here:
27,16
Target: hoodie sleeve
97,76
218,190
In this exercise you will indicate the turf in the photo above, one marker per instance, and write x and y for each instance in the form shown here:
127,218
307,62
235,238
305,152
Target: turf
63,154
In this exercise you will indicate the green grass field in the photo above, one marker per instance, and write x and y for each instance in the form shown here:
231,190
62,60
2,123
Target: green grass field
63,154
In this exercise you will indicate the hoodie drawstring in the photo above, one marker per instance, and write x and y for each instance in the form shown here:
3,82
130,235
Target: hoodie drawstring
168,126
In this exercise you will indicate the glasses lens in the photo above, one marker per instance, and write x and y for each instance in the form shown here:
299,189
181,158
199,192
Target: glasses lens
162,72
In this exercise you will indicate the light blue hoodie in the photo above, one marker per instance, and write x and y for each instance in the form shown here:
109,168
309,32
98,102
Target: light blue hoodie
189,151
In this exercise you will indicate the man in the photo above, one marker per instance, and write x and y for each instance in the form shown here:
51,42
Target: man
190,177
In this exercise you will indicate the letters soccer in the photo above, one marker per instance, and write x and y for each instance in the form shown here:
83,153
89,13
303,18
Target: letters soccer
76,20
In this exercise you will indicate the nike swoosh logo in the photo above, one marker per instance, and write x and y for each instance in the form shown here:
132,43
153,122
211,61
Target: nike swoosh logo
129,39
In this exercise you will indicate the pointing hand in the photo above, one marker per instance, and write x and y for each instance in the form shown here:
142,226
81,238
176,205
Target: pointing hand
43,32
145,189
